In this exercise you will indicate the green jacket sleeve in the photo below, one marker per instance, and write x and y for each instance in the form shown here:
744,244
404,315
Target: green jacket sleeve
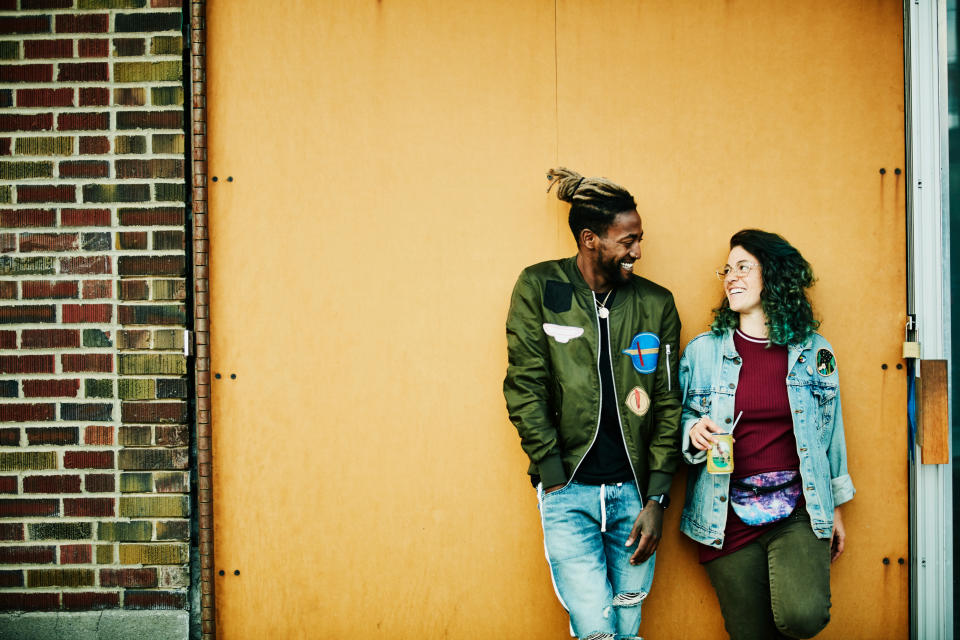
663,457
526,387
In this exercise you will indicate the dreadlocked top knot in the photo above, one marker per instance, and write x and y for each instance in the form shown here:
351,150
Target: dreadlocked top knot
595,202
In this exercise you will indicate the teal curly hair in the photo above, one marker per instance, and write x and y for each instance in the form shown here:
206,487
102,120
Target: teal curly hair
786,276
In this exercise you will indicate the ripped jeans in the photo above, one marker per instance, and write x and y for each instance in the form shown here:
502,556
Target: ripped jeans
584,530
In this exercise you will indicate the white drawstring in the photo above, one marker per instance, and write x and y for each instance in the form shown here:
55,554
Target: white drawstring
603,509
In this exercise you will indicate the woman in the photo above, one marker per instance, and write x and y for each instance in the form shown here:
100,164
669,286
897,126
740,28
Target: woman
769,529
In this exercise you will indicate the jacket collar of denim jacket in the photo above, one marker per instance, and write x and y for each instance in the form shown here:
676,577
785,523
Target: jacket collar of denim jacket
793,350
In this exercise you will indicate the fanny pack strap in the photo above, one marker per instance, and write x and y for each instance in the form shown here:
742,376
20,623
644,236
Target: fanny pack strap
761,490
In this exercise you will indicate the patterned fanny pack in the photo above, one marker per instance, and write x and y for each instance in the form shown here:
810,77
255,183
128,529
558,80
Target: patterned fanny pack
765,497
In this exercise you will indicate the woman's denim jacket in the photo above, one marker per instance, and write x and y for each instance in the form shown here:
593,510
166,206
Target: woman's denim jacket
709,373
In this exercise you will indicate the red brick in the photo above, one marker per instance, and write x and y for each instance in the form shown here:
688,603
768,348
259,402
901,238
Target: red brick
29,601
90,23
26,122
99,362
154,600
132,240
146,577
24,24
48,242
94,96
94,145
90,121
75,554
157,4
28,218
54,289
48,48
44,97
27,507
5,146
154,412
27,412
83,72
52,435
95,434
87,312
151,265
88,460
150,120
93,48
49,338
28,313
172,436
85,217
8,339
14,531
84,169
46,193
90,600
93,289
134,289
26,364
99,483
94,507
10,437
8,484
94,264
50,388
166,216
26,73
51,484
8,290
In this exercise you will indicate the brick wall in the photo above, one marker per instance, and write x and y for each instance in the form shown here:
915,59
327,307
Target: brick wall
94,436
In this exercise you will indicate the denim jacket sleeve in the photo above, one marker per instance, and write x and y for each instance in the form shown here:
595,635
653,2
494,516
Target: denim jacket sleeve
692,408
841,484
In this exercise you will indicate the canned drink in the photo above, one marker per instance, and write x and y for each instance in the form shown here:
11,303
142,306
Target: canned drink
720,454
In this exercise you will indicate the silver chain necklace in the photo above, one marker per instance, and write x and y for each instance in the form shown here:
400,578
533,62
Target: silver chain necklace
602,310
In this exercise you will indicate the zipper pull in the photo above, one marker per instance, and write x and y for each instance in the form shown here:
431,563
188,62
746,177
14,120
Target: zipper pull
669,377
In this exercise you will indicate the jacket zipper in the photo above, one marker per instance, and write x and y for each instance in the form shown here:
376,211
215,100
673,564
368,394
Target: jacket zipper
669,377
596,431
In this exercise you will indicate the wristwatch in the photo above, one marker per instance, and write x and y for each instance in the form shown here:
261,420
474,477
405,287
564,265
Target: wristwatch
662,499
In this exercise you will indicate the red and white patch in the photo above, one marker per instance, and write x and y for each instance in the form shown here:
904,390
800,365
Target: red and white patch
637,401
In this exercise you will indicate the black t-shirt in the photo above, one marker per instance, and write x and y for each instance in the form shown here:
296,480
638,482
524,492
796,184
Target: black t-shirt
606,462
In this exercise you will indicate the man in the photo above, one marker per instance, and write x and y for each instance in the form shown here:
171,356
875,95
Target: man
592,389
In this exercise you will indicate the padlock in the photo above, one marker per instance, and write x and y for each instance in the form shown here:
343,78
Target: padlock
911,350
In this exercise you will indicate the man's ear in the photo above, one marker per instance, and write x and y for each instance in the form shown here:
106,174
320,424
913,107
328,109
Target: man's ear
588,239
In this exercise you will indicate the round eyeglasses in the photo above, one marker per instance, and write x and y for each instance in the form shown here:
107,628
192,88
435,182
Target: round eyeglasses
740,270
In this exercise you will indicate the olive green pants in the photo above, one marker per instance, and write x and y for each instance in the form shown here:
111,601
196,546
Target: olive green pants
778,586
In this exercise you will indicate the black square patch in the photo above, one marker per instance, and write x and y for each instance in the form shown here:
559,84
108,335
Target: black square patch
558,296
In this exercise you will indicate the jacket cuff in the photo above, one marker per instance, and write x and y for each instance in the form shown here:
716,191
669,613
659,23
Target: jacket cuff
691,454
551,471
659,482
843,490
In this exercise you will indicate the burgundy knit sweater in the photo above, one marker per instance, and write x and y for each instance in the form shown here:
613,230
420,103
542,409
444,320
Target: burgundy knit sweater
764,436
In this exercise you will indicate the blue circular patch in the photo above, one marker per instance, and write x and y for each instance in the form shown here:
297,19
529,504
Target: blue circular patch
644,350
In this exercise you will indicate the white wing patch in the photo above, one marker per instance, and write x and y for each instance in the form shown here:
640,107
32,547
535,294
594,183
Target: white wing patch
562,333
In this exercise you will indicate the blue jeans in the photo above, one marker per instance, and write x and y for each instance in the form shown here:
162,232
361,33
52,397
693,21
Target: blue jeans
584,531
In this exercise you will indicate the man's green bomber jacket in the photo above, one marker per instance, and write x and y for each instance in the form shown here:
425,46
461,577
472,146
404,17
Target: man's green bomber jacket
552,387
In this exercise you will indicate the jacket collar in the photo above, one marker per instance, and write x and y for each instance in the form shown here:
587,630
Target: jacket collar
570,267
793,350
